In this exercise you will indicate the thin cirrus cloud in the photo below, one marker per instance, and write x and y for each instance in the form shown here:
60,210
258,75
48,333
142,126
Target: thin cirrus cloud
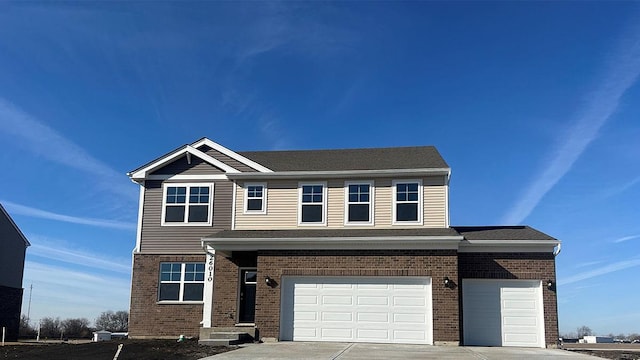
34,134
70,293
620,74
43,214
617,266
626,238
46,248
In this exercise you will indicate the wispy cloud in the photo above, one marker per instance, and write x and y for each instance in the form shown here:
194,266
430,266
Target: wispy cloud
622,188
617,266
588,263
48,143
626,238
620,74
47,248
43,214
72,294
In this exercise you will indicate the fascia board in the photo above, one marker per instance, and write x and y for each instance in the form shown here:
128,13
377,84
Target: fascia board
328,243
232,154
143,173
483,246
340,174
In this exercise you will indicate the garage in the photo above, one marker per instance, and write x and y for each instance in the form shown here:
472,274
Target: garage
503,313
357,309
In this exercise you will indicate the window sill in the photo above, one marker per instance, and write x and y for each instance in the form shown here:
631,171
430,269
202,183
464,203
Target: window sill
186,224
171,302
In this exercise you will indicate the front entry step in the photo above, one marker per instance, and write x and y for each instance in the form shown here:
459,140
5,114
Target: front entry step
226,336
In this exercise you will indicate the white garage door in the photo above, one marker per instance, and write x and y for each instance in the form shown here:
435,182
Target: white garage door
503,313
356,309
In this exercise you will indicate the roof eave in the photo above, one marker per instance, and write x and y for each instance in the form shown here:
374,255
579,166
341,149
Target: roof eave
341,173
333,243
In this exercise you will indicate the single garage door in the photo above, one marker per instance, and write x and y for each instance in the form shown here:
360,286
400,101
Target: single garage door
503,313
357,309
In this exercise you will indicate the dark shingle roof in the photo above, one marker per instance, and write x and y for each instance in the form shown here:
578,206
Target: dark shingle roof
522,232
417,157
468,232
312,233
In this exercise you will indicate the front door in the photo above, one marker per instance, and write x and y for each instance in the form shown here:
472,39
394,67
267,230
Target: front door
247,310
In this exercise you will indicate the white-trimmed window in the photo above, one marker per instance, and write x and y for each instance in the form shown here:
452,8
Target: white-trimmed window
187,204
255,199
407,202
181,282
358,203
313,203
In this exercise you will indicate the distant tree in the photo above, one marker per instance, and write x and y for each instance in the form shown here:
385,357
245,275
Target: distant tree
569,335
26,330
633,336
50,328
76,328
113,321
584,331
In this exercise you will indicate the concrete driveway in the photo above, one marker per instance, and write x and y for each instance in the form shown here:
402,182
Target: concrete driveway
362,351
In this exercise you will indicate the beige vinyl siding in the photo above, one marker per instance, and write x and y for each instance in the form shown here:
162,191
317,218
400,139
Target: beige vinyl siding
282,205
282,201
182,166
157,239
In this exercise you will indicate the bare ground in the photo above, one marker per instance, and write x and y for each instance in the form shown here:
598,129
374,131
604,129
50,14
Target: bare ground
132,349
607,351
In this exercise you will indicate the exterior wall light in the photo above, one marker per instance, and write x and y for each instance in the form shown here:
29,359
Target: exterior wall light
270,282
550,284
449,283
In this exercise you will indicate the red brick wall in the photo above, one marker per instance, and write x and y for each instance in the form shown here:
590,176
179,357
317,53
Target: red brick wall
434,263
147,317
529,266
225,288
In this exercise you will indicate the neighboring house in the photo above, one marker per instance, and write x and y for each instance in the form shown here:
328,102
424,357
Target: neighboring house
330,245
13,245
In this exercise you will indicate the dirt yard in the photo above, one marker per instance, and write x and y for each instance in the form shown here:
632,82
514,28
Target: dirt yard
607,351
132,349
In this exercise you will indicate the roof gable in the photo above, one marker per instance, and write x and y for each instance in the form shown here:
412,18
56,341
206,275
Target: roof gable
5,214
190,150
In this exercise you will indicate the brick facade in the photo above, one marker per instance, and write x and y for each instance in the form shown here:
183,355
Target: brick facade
225,291
526,266
150,319
10,305
434,263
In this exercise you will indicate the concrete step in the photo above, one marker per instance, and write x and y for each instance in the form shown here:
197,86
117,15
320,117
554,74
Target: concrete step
233,335
219,342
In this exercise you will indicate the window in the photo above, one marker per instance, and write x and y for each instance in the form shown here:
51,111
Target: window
255,199
359,203
312,204
407,207
181,282
187,204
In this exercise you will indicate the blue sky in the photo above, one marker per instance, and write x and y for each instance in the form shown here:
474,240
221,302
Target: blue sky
533,104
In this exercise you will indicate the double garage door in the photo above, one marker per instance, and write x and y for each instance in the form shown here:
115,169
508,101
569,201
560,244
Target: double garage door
357,309
503,313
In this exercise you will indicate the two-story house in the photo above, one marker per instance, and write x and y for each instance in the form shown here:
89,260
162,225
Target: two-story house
347,245
13,246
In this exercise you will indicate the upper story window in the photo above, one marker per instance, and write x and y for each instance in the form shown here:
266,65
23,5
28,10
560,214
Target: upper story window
187,204
255,199
359,203
407,202
313,204
181,282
